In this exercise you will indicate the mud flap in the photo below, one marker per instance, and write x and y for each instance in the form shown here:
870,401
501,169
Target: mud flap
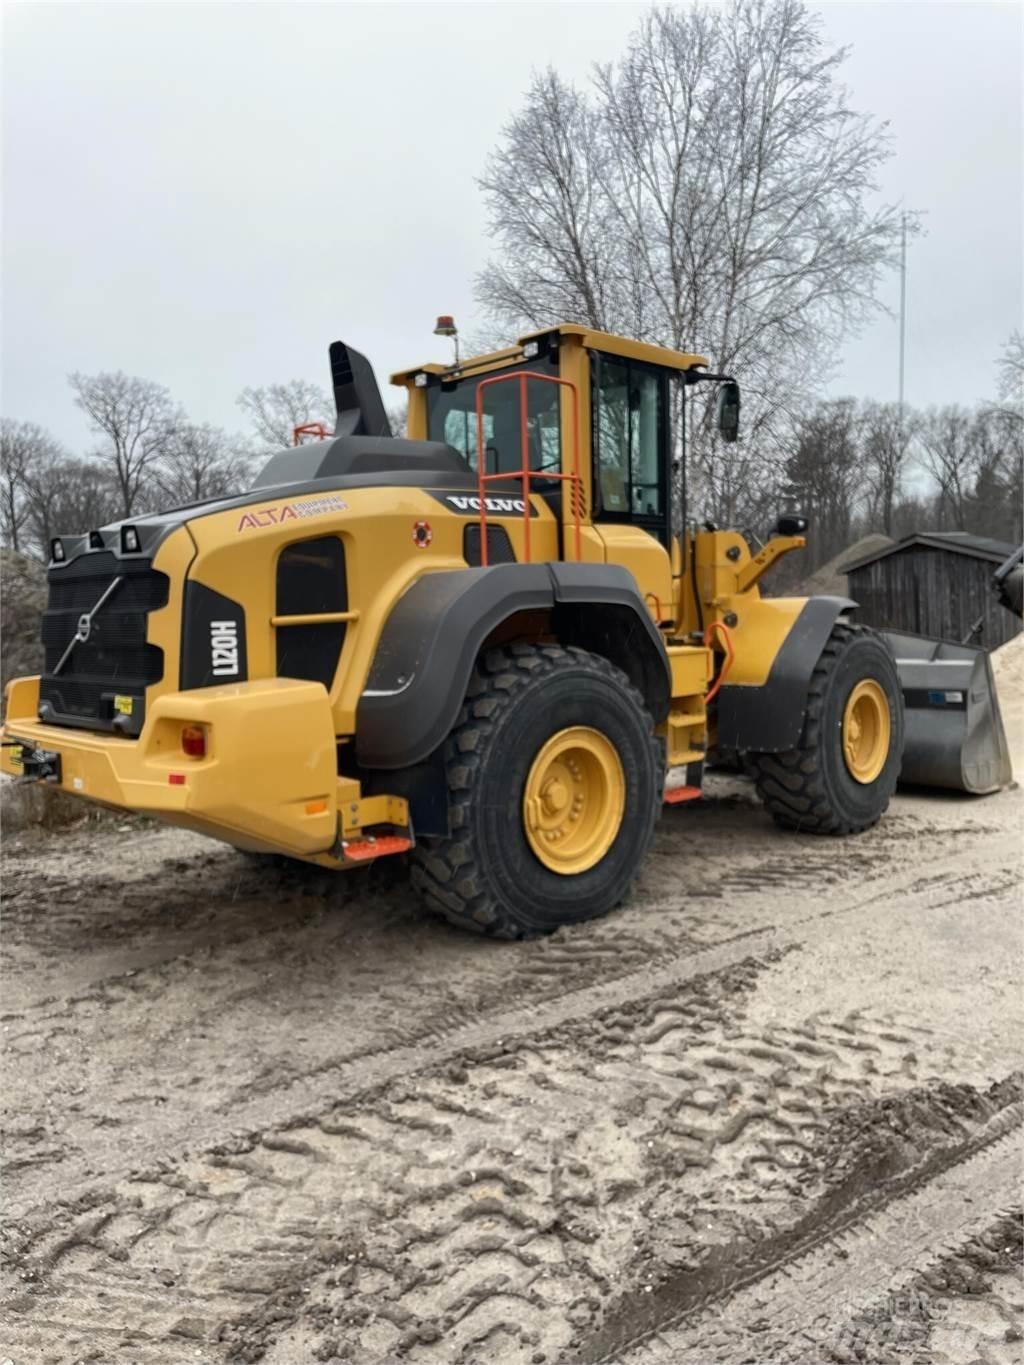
954,729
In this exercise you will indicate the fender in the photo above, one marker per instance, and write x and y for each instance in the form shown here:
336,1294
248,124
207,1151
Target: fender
435,631
770,718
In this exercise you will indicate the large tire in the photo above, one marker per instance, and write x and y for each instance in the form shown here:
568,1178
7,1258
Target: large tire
813,788
485,875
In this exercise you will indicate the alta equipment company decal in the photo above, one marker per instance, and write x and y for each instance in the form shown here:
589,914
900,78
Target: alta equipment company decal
291,511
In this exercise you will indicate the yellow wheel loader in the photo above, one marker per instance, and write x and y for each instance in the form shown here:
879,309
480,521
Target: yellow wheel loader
487,644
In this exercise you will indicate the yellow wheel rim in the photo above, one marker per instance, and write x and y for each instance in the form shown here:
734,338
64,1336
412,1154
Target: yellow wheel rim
866,731
574,800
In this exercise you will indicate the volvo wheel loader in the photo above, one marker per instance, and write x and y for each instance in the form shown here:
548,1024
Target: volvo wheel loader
487,644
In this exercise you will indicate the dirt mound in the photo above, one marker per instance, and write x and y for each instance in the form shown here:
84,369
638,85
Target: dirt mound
1008,667
23,589
830,579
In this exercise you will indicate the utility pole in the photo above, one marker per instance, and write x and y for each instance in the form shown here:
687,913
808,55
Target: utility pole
903,304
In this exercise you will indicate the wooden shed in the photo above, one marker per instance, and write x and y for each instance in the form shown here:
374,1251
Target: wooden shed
936,583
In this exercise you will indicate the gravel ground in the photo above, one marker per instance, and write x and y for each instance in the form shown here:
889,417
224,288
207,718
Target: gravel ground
768,1112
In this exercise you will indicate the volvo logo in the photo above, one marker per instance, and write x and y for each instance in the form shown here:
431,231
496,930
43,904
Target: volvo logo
85,624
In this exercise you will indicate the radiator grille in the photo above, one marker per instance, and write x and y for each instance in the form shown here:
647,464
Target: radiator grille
102,684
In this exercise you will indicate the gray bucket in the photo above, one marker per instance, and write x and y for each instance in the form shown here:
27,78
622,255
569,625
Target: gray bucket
954,730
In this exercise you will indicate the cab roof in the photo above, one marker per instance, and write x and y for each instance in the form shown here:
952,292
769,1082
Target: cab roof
587,337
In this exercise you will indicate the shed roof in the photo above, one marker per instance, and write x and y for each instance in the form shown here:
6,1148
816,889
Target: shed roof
957,542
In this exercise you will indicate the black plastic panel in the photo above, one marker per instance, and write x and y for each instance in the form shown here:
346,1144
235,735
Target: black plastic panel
499,547
431,639
103,681
311,579
310,652
213,642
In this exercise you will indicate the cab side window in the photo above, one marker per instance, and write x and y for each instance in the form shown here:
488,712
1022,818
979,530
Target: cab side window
630,431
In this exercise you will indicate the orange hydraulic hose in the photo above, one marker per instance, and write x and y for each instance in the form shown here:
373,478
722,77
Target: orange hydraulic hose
730,654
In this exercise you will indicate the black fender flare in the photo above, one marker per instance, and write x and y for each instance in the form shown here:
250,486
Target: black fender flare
770,718
430,641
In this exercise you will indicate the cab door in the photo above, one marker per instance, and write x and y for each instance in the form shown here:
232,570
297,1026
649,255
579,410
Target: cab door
630,424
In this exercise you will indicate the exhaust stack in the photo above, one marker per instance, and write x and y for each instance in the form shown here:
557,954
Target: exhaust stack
357,398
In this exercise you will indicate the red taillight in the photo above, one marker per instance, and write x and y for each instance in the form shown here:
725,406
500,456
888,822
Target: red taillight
176,779
193,741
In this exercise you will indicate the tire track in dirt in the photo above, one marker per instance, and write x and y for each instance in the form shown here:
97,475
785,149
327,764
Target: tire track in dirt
874,1247
482,1213
213,901
621,968
965,1307
444,1184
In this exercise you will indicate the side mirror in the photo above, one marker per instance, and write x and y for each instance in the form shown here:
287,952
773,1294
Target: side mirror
729,411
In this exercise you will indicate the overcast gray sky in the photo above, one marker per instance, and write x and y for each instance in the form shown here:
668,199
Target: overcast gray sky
207,194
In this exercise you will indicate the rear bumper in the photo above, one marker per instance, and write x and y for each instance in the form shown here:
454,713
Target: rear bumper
268,780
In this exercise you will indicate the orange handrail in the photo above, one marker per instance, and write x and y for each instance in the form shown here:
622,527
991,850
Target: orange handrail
526,473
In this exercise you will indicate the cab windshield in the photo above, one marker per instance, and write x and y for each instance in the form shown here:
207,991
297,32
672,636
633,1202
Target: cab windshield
451,417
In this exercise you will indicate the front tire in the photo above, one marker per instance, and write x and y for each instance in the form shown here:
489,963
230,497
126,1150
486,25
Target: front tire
841,777
555,781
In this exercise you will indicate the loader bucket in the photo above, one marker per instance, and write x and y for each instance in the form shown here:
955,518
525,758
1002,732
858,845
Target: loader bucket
954,730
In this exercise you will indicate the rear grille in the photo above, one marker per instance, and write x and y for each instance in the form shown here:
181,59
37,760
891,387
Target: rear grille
102,685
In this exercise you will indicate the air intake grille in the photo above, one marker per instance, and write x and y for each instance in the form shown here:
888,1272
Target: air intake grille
102,684
499,547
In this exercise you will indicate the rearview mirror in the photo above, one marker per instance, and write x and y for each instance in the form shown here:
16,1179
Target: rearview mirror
729,411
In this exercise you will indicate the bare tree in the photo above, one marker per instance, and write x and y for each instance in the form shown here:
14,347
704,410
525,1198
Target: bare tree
993,506
137,419
910,515
27,453
200,462
709,192
824,476
275,410
950,454
398,419
1010,370
887,432
68,497
544,189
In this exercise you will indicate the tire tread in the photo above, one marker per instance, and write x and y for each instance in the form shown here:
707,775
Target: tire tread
792,785
445,871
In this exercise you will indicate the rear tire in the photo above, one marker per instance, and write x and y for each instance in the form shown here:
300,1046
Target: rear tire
814,788
524,705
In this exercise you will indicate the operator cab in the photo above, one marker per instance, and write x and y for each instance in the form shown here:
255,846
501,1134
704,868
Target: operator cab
631,392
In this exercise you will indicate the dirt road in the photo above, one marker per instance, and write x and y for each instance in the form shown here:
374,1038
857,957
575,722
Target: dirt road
768,1112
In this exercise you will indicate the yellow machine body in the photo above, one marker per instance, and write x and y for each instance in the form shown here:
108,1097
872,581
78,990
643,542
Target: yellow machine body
273,773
